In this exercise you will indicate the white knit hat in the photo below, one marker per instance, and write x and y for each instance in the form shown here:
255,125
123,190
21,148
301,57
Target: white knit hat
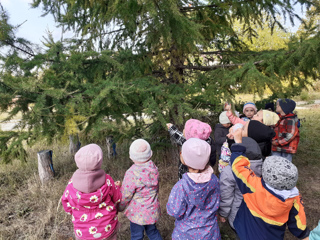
223,119
140,151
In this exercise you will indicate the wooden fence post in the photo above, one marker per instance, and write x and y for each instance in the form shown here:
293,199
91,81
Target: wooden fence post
45,166
108,143
75,144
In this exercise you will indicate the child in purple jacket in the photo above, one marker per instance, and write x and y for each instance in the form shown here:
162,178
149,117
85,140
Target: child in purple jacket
91,197
194,200
140,192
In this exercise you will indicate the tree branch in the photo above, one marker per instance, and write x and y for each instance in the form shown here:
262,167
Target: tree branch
22,50
186,9
209,68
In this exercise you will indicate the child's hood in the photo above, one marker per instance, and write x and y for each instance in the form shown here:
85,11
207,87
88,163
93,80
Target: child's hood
253,151
200,194
102,195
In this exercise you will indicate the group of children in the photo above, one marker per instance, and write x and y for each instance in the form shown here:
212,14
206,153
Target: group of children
256,192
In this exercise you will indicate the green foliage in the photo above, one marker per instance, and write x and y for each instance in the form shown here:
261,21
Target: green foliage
133,66
265,39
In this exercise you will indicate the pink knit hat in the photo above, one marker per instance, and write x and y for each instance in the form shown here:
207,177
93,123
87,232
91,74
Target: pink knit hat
250,105
195,153
197,129
140,151
89,177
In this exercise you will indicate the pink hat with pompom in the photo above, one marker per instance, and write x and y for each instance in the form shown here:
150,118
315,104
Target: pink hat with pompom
197,129
140,151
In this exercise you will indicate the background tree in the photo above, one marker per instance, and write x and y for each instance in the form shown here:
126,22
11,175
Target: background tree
134,65
311,24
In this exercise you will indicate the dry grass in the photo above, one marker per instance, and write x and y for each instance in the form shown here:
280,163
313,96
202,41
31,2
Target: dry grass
32,211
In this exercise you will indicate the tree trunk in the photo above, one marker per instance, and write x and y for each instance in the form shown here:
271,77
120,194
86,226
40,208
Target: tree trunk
45,166
74,145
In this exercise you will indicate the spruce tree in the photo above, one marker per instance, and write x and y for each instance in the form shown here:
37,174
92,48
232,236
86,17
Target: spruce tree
133,66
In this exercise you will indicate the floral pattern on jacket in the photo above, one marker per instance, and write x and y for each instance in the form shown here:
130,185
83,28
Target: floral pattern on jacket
94,215
195,206
140,194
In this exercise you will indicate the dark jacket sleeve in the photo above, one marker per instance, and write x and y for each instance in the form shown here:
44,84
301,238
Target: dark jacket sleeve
212,159
297,223
219,136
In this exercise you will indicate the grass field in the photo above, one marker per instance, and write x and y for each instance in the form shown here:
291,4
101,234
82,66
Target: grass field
32,211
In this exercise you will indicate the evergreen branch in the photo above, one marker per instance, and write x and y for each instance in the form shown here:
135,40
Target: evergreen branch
230,53
16,47
209,68
187,9
118,30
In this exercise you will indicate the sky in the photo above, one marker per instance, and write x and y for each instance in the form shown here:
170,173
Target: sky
34,26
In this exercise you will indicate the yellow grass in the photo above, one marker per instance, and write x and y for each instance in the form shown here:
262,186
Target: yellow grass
32,211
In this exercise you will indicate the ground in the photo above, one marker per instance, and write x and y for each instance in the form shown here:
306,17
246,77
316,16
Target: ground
30,210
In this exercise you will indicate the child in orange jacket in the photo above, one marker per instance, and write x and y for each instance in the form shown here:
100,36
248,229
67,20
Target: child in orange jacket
271,203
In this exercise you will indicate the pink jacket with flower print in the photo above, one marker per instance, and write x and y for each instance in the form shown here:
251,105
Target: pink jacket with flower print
94,215
140,194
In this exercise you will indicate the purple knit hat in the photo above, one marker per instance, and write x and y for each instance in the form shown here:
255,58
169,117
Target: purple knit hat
250,105
197,129
89,176
195,153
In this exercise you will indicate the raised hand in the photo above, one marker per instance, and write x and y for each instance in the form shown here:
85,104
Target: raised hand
227,106
238,135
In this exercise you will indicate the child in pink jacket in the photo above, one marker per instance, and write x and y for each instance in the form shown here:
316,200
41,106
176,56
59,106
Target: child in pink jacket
139,190
91,197
266,117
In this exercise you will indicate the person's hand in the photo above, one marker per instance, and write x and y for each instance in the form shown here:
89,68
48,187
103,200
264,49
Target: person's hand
307,238
238,135
117,183
169,125
221,219
227,106
230,135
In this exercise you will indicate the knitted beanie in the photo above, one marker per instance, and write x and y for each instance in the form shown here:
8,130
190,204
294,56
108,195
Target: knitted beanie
279,173
140,151
197,129
250,105
195,153
223,119
287,105
89,176
270,106
260,132
270,118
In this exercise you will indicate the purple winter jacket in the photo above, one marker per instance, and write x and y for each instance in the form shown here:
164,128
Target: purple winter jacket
195,206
